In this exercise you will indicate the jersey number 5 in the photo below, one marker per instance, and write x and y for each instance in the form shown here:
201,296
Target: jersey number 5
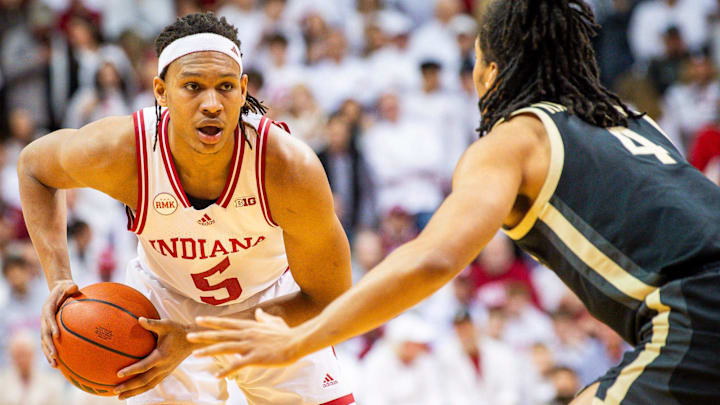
231,285
639,145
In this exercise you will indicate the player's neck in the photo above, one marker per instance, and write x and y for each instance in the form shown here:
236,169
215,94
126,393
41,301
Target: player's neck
202,175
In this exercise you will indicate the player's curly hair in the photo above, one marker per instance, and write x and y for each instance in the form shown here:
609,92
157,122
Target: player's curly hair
199,23
543,52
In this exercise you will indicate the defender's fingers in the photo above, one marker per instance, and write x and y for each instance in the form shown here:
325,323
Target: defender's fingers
214,322
141,366
236,365
223,348
263,316
213,336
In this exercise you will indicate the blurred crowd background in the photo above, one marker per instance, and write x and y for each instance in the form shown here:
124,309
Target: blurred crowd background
382,91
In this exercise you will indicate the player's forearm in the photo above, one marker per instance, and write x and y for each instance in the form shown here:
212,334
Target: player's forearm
45,216
407,276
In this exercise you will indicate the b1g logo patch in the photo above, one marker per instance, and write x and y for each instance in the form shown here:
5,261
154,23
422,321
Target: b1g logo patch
165,204
245,201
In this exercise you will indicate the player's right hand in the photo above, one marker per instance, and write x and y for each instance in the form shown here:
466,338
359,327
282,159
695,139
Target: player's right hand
49,328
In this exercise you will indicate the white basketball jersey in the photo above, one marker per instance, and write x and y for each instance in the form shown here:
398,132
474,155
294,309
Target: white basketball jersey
219,255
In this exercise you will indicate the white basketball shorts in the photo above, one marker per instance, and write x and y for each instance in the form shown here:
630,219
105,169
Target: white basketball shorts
315,379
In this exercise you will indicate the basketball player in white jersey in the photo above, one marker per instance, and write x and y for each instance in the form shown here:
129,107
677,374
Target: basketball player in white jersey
231,214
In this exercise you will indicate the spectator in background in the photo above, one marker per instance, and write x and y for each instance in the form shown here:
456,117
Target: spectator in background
540,387
392,66
400,367
693,104
577,350
349,176
367,252
26,295
305,118
666,69
245,16
440,111
436,40
107,97
338,76
396,228
281,76
611,44
705,151
566,385
526,324
477,369
23,382
147,72
407,160
497,266
651,19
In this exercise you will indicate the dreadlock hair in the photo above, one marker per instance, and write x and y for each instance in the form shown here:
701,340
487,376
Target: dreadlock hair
543,52
199,23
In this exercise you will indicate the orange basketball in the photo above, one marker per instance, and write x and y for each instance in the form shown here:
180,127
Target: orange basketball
100,335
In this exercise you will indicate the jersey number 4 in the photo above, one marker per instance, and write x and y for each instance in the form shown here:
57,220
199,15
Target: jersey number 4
639,145
231,285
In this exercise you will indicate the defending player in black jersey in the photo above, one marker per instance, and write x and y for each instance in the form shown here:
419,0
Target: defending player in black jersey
588,187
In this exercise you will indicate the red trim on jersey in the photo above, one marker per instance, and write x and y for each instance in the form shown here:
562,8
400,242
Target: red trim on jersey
169,163
138,223
346,400
282,125
263,132
234,173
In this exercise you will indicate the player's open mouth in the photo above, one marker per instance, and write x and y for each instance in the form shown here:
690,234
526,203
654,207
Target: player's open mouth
209,134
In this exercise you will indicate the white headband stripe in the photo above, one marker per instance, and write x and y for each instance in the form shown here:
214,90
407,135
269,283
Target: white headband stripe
198,43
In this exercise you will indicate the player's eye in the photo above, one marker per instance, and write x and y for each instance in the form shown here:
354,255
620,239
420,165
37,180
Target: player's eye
191,86
227,86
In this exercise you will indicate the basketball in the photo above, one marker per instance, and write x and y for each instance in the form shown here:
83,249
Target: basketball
100,335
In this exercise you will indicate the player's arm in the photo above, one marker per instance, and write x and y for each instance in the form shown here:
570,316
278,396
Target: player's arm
485,187
100,155
301,204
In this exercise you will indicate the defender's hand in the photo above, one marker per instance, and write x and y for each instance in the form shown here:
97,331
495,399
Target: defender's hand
172,348
265,342
49,328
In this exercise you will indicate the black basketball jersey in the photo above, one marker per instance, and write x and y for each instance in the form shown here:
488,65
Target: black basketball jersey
620,214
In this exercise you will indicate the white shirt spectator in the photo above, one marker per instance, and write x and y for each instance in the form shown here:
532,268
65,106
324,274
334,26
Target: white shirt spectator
407,160
333,82
687,108
652,18
249,25
499,383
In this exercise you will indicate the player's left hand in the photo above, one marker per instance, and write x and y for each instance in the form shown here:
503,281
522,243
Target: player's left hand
267,342
172,348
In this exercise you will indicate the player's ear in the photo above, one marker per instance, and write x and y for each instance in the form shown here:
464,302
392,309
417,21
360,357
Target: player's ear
244,88
491,75
160,91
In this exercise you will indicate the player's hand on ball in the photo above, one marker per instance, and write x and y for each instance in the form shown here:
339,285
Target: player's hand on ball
60,291
268,341
172,348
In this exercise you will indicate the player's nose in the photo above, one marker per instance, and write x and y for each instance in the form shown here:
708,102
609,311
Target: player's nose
211,104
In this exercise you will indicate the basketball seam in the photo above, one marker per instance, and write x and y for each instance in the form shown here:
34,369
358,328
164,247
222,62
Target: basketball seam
81,377
62,322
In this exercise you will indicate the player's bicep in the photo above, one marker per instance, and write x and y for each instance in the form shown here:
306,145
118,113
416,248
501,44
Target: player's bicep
315,242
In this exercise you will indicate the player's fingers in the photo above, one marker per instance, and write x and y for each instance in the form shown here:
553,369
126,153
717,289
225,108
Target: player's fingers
236,365
213,336
223,348
223,323
263,316
141,366
48,317
48,356
150,384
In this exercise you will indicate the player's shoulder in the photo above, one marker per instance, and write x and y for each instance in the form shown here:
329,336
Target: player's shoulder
288,159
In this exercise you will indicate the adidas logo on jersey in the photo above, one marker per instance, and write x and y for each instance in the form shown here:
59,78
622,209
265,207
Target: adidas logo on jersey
328,381
206,220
